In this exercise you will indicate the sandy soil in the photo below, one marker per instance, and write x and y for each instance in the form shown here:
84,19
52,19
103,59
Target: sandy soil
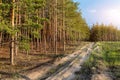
104,76
68,72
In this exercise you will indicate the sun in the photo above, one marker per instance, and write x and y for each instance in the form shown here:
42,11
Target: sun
114,13
113,16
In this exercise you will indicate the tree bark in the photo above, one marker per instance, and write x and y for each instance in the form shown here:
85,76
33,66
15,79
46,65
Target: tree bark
63,22
55,27
12,37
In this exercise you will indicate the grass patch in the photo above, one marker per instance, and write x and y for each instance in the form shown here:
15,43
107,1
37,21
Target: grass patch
111,53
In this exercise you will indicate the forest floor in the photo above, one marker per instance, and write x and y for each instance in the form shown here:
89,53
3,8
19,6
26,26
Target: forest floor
25,66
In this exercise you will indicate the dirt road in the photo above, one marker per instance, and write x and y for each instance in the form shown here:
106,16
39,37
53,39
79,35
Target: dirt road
63,69
67,72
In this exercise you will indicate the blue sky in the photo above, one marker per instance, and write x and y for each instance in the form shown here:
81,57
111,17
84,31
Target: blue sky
101,11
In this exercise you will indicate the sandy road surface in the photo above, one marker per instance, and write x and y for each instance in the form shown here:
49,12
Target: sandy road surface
67,73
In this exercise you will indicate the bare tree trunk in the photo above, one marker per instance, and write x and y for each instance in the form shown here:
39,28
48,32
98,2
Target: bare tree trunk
0,38
44,32
37,41
63,22
55,27
16,35
12,38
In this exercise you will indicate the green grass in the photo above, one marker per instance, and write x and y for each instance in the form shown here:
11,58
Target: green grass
111,54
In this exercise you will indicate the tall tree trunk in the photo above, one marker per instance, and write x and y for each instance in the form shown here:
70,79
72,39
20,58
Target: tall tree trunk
37,40
44,31
55,27
12,38
63,23
16,35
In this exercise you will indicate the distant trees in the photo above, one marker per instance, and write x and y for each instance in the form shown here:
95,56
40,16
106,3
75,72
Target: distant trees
104,33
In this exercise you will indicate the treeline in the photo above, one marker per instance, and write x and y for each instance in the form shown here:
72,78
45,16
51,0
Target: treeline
101,32
40,25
